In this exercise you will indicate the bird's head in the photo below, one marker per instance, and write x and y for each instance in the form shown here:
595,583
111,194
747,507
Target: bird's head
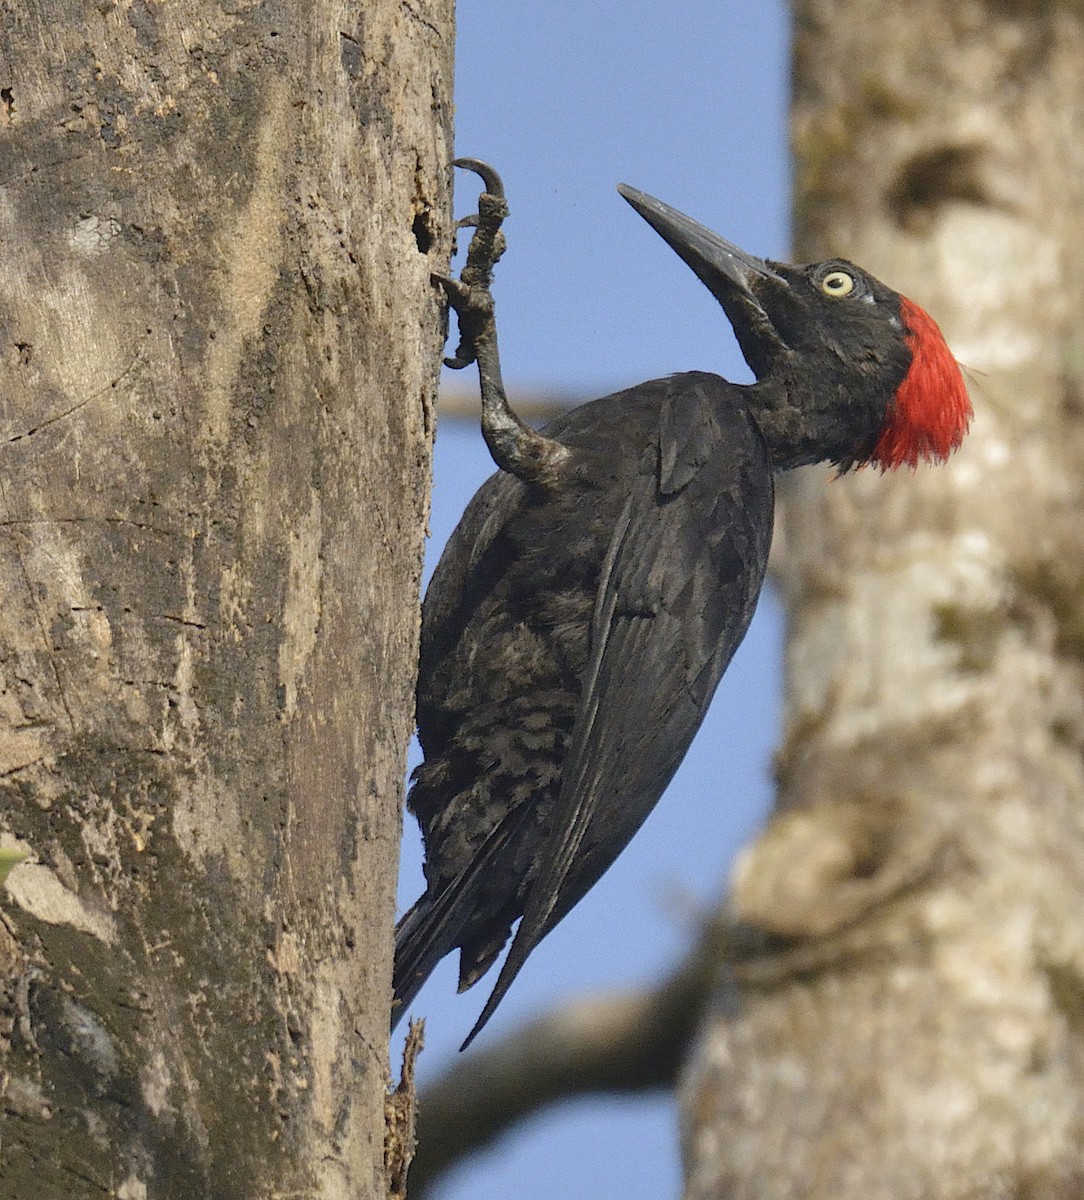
848,371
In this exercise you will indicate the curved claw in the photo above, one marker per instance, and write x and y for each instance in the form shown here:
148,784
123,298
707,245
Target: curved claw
489,176
460,299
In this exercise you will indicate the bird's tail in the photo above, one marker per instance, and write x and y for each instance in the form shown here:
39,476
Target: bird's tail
433,926
424,935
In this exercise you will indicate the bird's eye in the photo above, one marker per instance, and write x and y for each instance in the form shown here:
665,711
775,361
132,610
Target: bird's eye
837,283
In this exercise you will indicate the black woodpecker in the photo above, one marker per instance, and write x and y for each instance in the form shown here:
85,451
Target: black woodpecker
598,584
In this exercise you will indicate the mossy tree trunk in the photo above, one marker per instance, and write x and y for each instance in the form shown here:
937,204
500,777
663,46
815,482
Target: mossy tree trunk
218,351
906,1018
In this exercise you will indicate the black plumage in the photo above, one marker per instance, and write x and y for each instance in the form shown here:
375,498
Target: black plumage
596,589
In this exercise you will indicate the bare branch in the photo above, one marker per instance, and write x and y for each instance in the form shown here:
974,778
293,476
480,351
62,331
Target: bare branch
623,1042
463,404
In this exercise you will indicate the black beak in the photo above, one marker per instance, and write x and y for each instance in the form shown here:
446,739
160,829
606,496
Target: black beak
741,282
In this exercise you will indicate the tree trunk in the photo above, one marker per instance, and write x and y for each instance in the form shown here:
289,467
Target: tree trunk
219,344
907,1017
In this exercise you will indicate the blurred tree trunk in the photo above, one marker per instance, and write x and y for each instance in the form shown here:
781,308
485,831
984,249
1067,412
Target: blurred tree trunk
906,1015
218,352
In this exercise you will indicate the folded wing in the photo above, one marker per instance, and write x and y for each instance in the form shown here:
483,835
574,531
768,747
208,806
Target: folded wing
677,590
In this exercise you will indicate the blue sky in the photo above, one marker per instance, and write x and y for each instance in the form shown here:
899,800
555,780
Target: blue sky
687,102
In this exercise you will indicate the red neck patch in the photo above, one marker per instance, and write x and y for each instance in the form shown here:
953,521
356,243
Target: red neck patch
931,410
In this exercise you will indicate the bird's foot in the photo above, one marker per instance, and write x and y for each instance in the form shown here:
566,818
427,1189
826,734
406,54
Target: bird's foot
515,447
469,295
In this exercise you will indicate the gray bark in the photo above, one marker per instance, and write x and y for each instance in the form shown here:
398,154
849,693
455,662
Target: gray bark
218,352
907,1018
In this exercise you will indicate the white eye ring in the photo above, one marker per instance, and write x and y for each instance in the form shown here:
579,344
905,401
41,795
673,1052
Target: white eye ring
837,284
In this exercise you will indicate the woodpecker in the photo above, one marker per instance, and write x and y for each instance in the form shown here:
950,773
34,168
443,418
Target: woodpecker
599,583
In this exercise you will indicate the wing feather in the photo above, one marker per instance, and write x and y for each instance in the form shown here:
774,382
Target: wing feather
676,592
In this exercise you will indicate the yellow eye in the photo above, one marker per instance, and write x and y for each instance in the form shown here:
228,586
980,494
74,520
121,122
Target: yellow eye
837,283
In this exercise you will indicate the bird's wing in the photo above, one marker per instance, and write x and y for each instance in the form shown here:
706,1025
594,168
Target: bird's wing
453,591
677,590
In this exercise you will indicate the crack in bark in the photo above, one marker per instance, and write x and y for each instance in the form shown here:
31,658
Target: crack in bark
39,617
416,16
15,522
178,620
38,168
22,767
76,407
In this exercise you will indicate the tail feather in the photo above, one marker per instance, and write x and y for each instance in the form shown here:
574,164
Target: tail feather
426,933
434,925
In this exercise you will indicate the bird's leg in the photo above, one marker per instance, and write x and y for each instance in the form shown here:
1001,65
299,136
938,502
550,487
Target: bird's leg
515,446
470,295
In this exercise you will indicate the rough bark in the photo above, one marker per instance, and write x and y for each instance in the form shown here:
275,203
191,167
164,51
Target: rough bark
908,1017
219,344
